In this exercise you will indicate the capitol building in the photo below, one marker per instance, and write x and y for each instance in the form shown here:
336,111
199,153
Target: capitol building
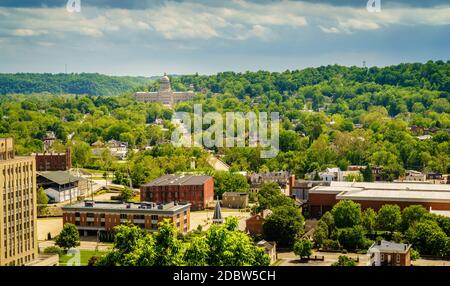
165,95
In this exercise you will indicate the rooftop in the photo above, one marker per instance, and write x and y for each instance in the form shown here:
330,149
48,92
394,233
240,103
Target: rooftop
117,206
59,177
393,195
391,247
234,194
178,180
393,186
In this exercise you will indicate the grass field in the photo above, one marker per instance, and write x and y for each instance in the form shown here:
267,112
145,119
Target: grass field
85,255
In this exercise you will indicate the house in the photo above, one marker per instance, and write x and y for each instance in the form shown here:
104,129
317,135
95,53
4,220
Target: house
235,200
387,253
254,224
48,140
270,248
194,189
60,186
92,217
412,175
256,180
329,175
118,149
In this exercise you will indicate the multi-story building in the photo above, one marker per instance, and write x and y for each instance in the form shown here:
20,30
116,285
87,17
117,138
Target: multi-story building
49,161
18,238
196,190
93,217
165,94
256,180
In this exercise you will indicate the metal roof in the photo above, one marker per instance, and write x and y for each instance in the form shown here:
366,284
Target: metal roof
59,177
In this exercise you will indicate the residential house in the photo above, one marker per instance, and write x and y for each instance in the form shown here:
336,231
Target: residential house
387,253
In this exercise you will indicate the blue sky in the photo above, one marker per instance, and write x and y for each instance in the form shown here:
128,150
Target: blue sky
150,37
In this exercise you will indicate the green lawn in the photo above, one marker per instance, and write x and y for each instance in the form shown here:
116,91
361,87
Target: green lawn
84,257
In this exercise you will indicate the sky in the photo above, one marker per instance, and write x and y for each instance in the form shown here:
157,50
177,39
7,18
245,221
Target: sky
150,37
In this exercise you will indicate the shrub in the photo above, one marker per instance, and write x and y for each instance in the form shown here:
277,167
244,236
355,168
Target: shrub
344,260
54,250
329,244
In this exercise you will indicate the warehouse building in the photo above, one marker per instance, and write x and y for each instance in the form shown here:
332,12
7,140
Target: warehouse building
374,195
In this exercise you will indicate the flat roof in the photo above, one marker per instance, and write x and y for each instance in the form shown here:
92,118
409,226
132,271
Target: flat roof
332,190
394,186
395,195
178,180
127,207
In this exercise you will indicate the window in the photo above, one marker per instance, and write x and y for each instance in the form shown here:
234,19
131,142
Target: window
398,258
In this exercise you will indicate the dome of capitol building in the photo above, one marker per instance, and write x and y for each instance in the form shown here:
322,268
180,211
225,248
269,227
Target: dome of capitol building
164,83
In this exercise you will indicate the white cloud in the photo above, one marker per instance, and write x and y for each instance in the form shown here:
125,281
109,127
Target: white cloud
234,20
27,32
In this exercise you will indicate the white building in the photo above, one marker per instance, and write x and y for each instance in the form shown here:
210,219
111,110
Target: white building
165,95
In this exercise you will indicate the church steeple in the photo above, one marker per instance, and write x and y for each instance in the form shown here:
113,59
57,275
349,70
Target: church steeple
217,217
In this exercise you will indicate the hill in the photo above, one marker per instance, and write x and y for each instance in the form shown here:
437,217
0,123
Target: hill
83,83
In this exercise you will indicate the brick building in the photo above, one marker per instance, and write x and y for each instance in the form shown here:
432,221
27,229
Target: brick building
254,224
386,253
91,217
49,161
196,190
374,195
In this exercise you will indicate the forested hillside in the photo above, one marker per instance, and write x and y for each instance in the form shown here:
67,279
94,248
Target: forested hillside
84,83
331,116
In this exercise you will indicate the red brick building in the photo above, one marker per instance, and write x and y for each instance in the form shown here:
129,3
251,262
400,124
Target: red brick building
196,190
254,224
50,161
374,195
91,217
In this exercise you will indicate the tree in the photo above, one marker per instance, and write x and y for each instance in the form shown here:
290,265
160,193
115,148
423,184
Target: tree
168,249
197,252
412,214
126,194
225,181
351,238
369,220
346,213
320,233
81,153
428,238
270,196
69,237
367,174
303,248
344,260
42,198
284,225
389,218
